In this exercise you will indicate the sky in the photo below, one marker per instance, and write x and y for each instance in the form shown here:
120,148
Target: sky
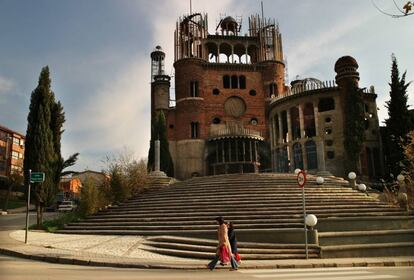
98,52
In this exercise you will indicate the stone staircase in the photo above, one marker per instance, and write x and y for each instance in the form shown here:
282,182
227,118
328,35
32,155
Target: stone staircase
266,209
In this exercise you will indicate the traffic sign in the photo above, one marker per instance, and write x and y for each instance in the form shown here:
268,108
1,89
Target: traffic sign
301,178
37,177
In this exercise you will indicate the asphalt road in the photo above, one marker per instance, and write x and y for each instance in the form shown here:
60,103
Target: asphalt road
18,220
19,269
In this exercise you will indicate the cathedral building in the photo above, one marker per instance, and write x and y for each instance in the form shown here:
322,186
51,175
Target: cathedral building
234,112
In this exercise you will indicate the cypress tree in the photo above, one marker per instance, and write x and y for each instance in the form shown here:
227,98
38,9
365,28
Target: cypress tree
399,121
151,155
39,154
159,132
42,145
166,163
354,126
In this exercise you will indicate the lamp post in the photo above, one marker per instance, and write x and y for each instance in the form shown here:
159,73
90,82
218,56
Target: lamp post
320,180
310,221
402,192
362,187
352,177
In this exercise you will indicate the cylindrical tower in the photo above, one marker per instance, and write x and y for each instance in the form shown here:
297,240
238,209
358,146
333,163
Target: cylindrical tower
157,62
346,71
160,83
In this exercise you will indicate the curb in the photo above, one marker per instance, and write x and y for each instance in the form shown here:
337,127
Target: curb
99,263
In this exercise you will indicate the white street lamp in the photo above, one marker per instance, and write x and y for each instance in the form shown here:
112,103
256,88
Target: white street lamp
320,180
297,170
362,187
352,175
311,220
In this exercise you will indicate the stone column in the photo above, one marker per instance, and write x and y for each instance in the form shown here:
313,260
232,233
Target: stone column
301,122
157,156
157,172
289,124
320,149
272,133
279,116
316,119
290,157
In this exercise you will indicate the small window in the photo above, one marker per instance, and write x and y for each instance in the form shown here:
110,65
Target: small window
194,88
194,130
328,131
226,81
252,92
16,141
234,82
254,121
171,126
330,154
216,91
326,104
15,155
329,142
272,89
242,82
216,120
328,119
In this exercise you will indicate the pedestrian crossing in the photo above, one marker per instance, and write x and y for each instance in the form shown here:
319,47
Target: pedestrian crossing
346,273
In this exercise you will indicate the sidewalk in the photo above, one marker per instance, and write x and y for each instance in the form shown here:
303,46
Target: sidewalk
129,252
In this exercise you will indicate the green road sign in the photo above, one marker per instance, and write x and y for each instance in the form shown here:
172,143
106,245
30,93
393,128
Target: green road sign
37,177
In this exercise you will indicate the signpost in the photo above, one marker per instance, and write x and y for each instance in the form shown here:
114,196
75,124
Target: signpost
35,177
301,178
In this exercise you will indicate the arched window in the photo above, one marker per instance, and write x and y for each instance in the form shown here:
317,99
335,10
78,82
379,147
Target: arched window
297,156
272,89
295,122
282,160
234,81
195,130
311,155
226,81
309,120
194,88
242,82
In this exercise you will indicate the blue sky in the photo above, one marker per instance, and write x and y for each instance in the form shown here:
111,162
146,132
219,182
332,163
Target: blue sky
98,53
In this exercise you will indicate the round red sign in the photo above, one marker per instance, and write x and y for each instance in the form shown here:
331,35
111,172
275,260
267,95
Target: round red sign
301,178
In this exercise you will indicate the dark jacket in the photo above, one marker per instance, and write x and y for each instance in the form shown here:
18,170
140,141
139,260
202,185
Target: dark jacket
233,240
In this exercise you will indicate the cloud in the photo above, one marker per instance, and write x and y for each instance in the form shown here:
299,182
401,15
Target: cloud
324,43
6,85
117,115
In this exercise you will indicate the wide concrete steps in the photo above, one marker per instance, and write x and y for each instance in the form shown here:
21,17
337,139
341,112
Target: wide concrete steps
198,248
267,211
394,248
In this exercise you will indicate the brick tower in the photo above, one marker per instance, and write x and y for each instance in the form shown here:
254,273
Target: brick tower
223,86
